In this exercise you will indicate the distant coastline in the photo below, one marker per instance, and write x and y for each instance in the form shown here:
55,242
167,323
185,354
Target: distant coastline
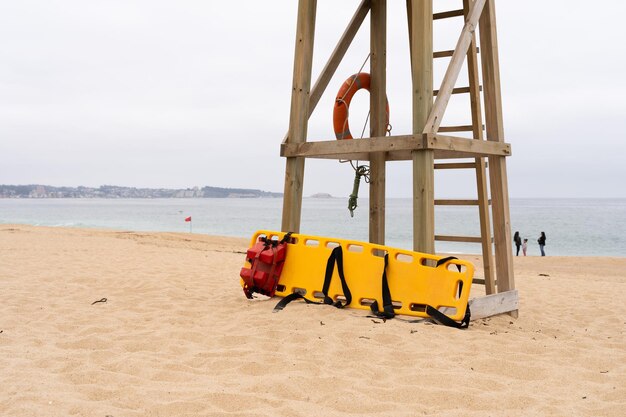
114,191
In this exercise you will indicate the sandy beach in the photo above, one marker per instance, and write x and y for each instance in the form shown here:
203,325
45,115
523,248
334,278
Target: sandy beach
177,337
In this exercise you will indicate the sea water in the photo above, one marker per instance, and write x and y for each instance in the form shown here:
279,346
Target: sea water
574,227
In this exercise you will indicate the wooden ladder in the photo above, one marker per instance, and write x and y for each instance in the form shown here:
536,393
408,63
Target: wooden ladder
479,164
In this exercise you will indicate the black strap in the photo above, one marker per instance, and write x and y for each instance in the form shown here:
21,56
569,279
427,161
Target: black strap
449,258
336,257
387,312
286,238
291,297
440,317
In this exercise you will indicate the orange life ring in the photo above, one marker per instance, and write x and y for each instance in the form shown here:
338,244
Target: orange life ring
342,103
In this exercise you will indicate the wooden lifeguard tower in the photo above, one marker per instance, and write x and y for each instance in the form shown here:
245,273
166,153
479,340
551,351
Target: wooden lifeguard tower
483,154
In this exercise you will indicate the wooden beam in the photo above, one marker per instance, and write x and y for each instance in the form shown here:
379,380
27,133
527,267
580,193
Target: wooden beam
378,118
458,90
398,155
443,54
454,68
480,281
464,128
494,304
481,164
336,56
448,154
446,202
457,147
299,116
497,165
448,14
347,146
458,165
465,145
468,239
448,53
420,17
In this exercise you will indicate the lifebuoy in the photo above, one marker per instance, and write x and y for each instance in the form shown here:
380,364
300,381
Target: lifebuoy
342,103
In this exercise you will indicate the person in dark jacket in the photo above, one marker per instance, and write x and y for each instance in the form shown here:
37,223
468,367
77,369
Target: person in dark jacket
542,243
518,242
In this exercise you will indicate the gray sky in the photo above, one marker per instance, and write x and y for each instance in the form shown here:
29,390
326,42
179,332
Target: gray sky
155,93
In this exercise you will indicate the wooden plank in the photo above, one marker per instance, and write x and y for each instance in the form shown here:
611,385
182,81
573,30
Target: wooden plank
346,147
464,145
458,90
420,14
467,239
480,281
438,155
378,118
481,164
454,68
448,154
452,202
457,165
494,304
299,115
454,147
464,128
497,165
398,155
448,14
445,54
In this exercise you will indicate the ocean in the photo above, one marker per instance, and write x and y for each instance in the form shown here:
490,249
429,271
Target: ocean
574,227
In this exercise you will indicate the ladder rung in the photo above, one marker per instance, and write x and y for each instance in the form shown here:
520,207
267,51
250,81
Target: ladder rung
445,54
470,239
456,165
456,202
480,281
465,128
459,90
445,15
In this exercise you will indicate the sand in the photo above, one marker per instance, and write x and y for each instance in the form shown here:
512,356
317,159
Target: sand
176,337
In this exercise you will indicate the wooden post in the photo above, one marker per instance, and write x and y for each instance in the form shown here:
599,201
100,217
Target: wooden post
420,14
481,171
497,165
378,118
298,120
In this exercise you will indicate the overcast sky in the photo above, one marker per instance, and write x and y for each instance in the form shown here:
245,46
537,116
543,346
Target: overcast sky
155,93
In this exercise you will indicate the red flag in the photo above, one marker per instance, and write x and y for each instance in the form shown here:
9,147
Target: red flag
188,219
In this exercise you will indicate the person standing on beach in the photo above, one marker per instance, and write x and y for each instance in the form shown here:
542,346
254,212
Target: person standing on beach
518,242
542,243
524,246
